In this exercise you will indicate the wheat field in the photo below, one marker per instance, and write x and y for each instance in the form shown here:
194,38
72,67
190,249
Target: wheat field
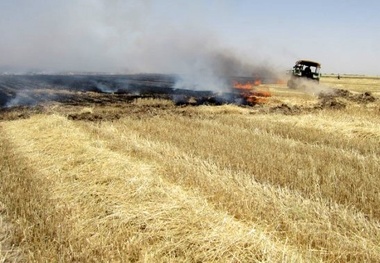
283,182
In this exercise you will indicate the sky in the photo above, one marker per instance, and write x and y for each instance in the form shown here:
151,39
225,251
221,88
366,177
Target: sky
192,37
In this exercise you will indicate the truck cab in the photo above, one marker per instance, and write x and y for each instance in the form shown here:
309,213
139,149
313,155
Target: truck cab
304,69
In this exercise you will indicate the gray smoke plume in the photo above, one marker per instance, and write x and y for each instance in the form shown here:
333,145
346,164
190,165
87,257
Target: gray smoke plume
23,97
313,88
120,36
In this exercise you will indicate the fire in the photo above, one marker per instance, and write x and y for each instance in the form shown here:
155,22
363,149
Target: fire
256,100
261,93
251,93
247,86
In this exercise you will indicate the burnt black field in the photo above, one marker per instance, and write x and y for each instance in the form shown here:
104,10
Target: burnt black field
26,90
31,90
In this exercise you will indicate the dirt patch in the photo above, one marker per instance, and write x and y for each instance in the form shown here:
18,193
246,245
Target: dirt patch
20,112
286,109
335,99
88,116
339,98
365,97
330,103
113,112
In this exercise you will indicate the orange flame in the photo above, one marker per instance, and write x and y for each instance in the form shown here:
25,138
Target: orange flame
249,92
248,85
256,100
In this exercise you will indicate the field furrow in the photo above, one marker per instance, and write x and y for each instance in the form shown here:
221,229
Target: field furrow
324,227
101,204
320,172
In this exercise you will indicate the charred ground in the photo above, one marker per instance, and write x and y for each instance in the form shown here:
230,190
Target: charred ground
29,90
24,95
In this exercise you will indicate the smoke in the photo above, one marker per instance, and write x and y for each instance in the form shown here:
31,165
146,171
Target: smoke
104,87
23,97
28,97
214,70
312,87
3,99
123,37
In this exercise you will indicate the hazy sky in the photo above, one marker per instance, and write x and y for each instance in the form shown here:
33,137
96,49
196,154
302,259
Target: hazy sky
175,36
